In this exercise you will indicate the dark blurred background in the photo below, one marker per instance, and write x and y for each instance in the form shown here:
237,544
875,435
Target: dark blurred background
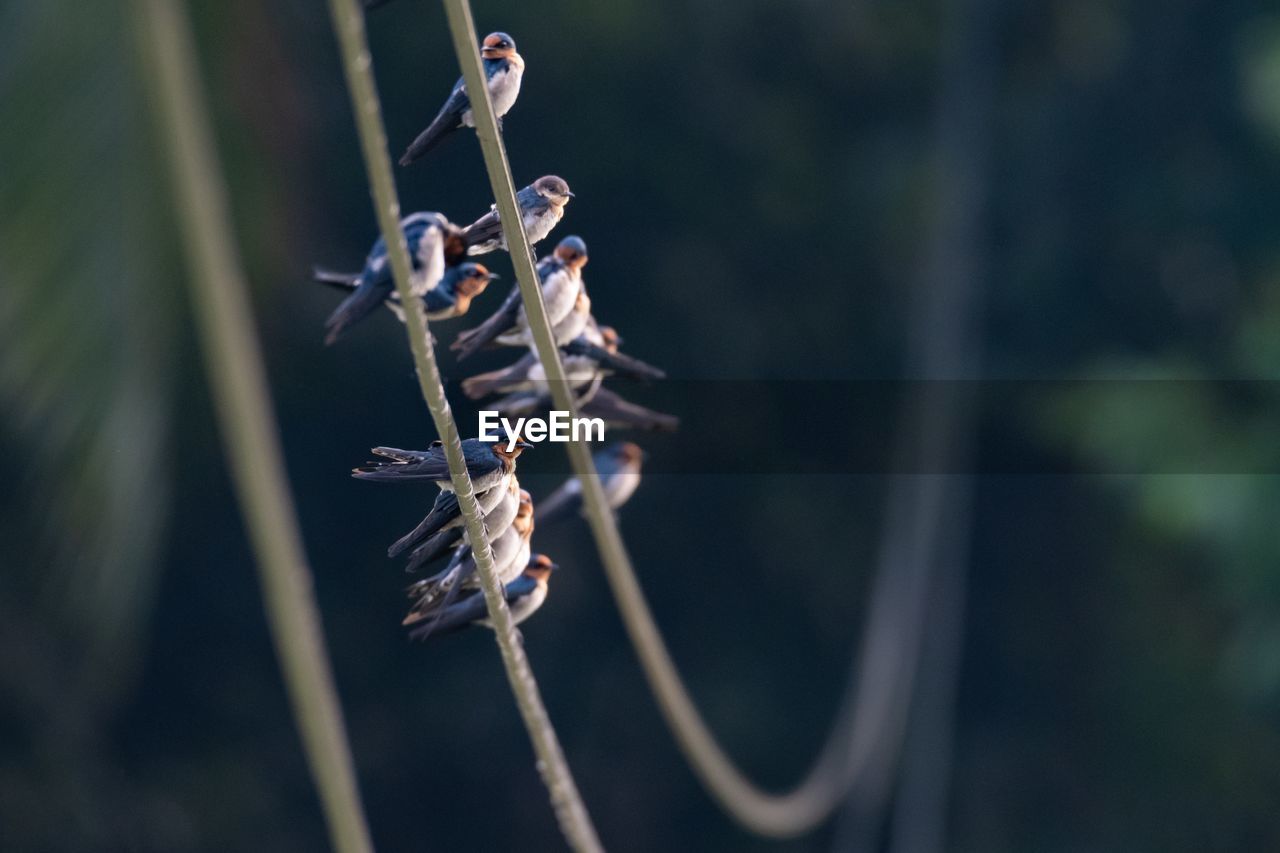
765,188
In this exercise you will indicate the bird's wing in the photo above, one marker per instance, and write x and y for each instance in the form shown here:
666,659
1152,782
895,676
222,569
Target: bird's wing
445,510
434,547
484,229
498,381
362,302
449,619
446,121
404,465
500,321
623,365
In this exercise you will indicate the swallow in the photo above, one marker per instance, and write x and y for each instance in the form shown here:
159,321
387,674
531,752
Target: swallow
488,464
446,514
510,551
450,298
619,468
623,414
496,521
524,596
503,71
541,209
434,244
599,345
560,279
591,354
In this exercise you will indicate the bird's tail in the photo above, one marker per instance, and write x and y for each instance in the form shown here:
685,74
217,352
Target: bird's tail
620,363
439,516
341,280
436,546
360,304
442,615
483,230
443,125
471,341
393,469
483,384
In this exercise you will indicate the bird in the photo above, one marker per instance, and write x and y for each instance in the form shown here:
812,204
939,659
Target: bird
503,71
560,278
446,514
599,345
509,550
524,595
591,356
435,245
496,521
450,298
488,464
617,464
541,209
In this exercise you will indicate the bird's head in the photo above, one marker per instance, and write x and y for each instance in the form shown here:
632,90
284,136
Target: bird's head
497,46
572,251
473,278
523,522
500,448
553,189
629,454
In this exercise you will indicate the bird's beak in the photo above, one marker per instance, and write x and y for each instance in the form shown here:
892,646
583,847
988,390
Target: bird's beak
523,445
553,566
492,276
569,194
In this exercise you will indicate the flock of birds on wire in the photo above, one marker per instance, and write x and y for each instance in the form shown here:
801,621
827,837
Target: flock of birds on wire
447,282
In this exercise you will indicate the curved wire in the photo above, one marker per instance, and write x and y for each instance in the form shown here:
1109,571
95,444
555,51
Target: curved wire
868,726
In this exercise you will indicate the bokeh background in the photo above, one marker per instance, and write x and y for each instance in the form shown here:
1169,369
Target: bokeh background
773,192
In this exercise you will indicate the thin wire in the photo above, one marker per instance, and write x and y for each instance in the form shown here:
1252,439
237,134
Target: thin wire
571,813
879,687
250,436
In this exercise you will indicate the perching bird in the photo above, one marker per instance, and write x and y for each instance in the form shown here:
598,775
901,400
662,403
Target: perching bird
488,464
503,70
619,468
560,278
448,299
524,596
593,354
496,521
446,514
599,345
510,552
541,209
434,243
